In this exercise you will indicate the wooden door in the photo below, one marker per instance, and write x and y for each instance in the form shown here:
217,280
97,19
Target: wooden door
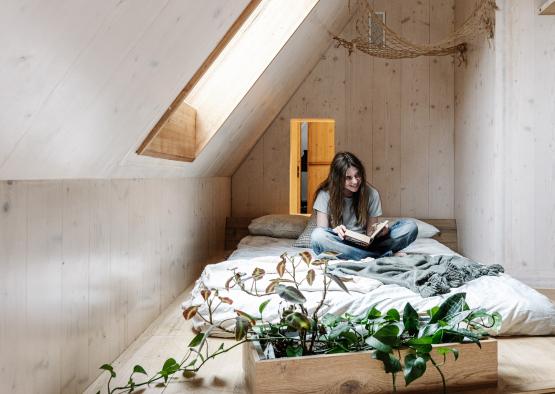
321,149
295,167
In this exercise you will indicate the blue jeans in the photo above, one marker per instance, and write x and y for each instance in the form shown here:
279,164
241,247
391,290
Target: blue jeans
401,234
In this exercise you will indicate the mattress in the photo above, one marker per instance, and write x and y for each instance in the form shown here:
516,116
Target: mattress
524,310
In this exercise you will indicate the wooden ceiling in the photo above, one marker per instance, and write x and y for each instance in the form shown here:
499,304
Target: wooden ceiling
83,83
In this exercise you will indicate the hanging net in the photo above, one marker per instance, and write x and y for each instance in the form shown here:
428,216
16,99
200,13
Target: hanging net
375,38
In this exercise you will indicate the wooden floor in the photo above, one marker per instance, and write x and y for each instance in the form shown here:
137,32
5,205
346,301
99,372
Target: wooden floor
526,364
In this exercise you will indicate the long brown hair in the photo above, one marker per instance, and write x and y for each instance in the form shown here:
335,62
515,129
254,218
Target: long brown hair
335,184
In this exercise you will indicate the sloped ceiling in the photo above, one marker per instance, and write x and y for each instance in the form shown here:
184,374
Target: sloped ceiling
84,82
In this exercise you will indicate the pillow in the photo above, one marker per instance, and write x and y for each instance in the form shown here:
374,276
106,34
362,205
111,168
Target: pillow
425,230
279,226
304,239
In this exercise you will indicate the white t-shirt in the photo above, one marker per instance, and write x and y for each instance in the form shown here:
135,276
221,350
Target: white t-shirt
349,217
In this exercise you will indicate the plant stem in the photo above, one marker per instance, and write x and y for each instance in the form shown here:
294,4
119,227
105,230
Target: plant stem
441,373
393,375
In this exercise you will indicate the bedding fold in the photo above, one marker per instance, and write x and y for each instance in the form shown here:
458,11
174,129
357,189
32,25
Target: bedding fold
423,274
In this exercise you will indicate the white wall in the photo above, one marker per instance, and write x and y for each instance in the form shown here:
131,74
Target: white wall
86,265
396,115
505,144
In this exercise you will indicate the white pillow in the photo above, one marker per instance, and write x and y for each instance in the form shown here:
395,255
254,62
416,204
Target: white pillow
279,226
425,230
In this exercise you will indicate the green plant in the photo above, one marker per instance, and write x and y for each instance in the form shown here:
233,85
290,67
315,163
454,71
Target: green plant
300,333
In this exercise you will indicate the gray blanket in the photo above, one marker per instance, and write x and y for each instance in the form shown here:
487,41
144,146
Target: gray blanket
424,274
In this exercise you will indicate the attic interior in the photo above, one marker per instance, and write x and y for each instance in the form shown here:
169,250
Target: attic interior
100,245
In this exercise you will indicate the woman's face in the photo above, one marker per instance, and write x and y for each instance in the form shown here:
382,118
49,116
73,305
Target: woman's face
352,181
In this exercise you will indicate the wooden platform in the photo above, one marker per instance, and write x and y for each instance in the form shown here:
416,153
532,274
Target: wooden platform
237,227
526,364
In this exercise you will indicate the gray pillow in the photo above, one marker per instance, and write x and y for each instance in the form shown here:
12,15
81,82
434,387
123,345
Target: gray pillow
304,239
279,226
425,230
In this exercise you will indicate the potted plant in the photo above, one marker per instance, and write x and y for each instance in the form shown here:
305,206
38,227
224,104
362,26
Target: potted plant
300,349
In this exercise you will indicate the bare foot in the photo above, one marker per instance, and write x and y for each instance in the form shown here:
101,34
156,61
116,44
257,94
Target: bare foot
400,254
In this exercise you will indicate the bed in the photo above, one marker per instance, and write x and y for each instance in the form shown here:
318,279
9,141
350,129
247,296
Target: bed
524,310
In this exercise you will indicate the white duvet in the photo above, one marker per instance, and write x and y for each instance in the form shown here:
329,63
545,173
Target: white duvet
524,310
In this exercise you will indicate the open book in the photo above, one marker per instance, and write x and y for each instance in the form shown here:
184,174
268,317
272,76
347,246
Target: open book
364,240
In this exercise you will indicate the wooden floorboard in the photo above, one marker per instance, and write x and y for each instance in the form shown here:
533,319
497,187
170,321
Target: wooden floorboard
526,364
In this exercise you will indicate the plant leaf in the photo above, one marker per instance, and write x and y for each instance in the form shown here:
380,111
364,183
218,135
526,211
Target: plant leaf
109,368
258,273
450,307
290,294
242,326
410,319
251,319
280,268
170,366
306,256
414,368
262,306
271,287
429,330
377,344
390,362
205,293
388,334
226,300
228,283
350,337
196,340
438,336
139,369
329,319
294,351
447,350
338,330
190,312
433,311
373,314
328,255
393,314
298,321
337,281
310,275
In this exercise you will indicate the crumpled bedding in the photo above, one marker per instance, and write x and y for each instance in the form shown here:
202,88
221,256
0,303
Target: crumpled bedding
524,310
423,274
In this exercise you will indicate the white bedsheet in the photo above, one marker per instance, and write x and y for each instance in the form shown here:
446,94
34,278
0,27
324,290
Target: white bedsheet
524,310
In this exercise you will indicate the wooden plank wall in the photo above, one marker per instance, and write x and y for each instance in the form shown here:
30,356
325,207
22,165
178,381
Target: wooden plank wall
505,133
87,265
84,82
396,115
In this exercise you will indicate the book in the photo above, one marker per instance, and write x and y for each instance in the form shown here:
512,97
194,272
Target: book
364,240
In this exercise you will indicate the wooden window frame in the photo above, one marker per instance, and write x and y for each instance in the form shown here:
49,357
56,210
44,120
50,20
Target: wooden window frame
150,146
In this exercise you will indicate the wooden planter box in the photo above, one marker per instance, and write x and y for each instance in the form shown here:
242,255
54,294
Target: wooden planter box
359,373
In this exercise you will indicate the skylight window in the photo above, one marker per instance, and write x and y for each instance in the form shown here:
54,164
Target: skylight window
218,86
242,61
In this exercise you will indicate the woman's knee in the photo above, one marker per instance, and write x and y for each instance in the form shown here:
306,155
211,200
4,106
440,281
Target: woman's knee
411,230
406,228
319,234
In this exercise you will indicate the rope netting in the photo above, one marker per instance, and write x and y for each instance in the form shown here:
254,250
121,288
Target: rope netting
375,38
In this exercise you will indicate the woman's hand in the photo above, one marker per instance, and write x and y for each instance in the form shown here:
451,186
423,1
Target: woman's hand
340,230
384,231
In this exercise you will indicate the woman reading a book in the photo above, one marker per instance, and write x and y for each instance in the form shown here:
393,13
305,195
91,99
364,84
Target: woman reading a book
344,201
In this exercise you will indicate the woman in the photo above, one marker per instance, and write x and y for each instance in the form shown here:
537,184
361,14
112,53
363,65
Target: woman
345,201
